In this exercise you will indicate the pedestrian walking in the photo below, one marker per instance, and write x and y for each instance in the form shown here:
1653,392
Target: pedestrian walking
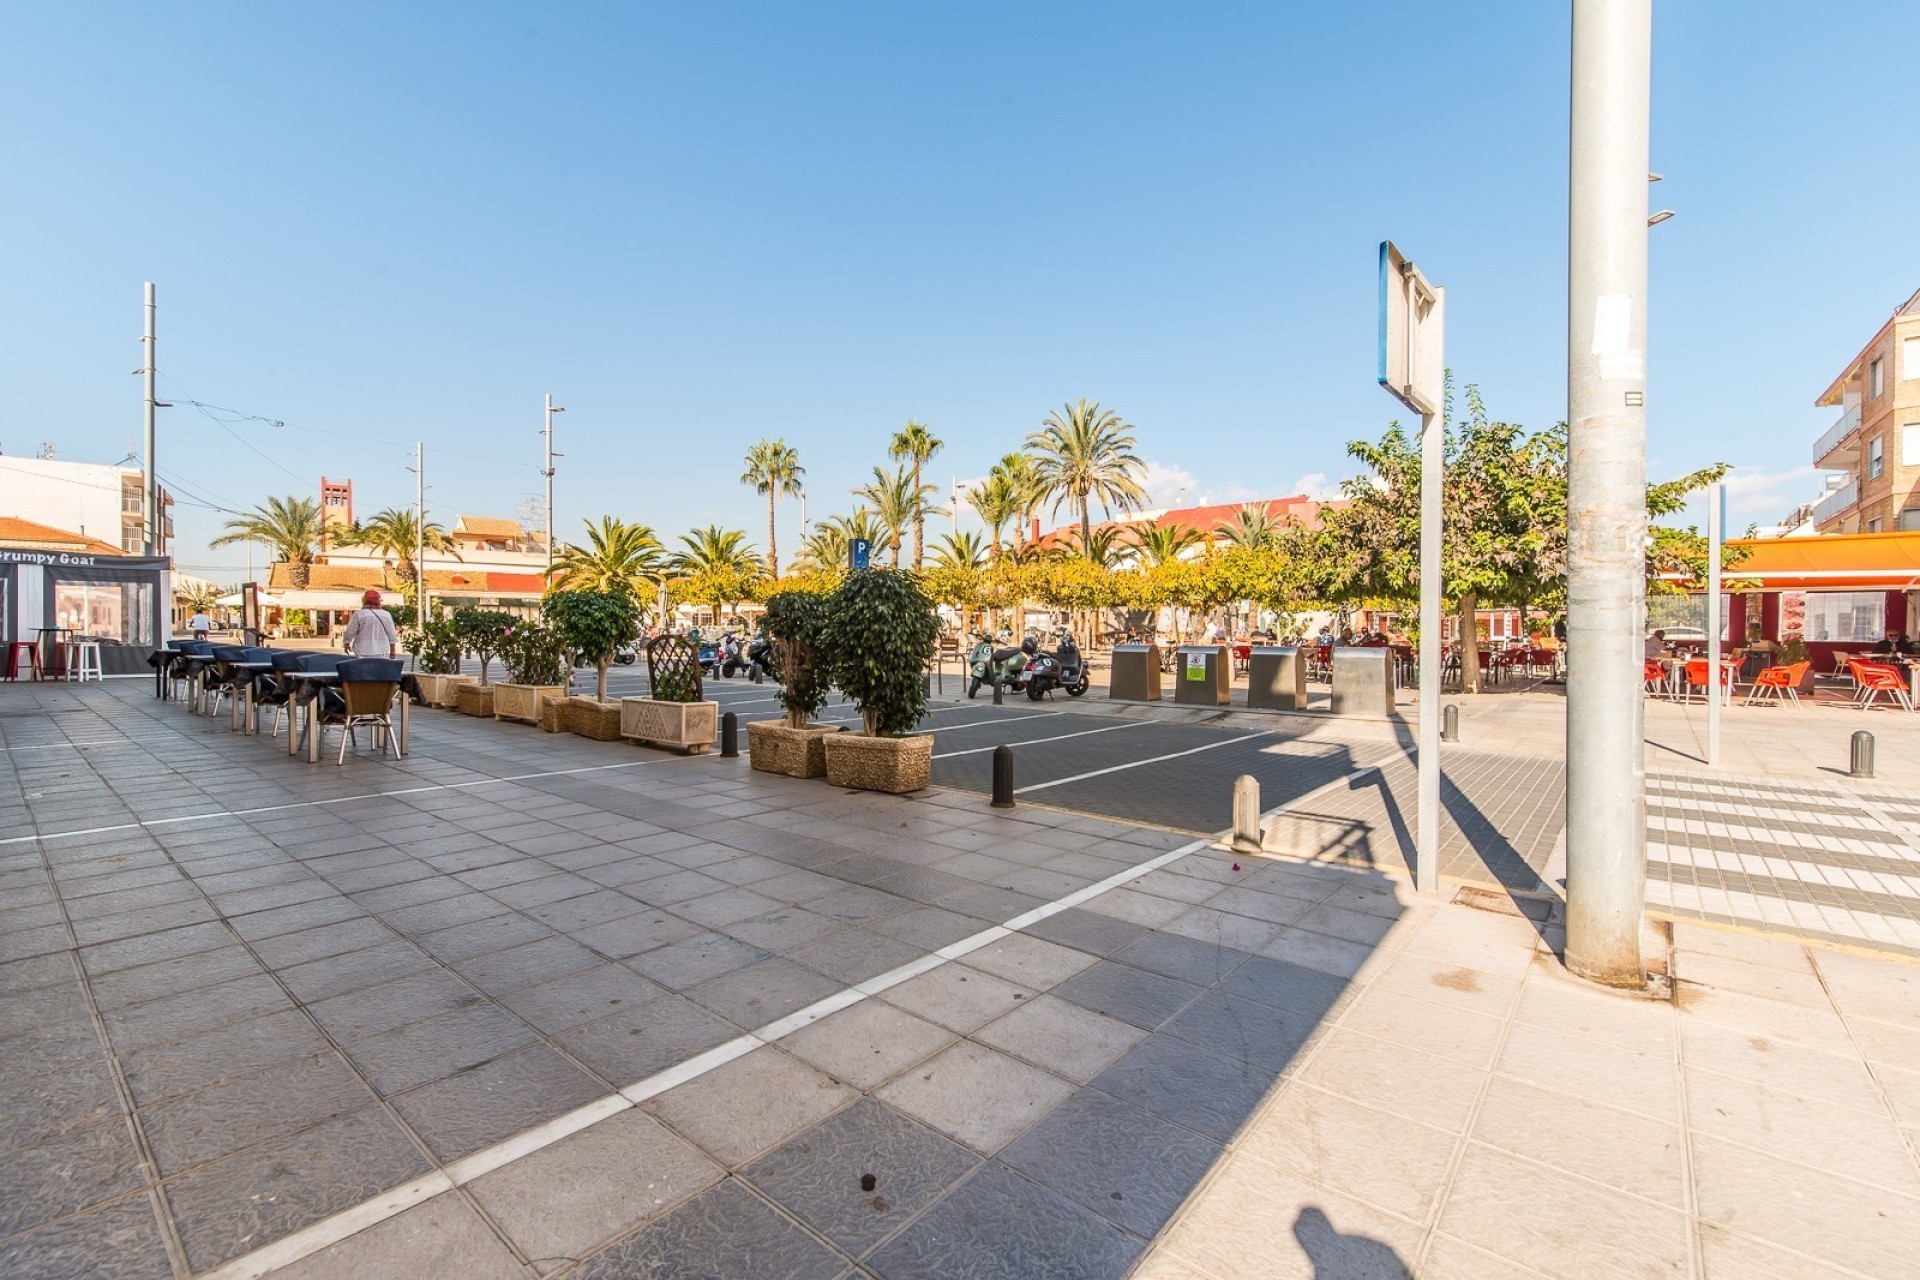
370,631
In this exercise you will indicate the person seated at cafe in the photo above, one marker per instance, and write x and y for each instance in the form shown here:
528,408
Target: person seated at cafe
1908,647
1657,645
1884,647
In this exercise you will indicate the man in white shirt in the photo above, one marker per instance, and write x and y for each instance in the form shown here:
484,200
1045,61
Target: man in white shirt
200,624
370,632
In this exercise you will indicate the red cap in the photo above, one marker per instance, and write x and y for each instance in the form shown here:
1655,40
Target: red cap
371,598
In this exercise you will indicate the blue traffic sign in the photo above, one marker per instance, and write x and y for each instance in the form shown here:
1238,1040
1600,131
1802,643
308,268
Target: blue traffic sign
860,552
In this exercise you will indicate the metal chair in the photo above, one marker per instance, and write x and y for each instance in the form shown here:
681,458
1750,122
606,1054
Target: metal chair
367,689
1653,676
1778,683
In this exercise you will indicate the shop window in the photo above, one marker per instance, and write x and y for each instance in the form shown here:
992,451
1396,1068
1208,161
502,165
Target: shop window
1846,617
118,612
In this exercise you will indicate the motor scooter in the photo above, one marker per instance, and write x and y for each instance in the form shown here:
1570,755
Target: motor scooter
1064,668
733,659
1005,667
709,652
760,657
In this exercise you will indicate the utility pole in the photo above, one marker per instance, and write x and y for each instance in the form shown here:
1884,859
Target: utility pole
546,429
150,492
420,533
1606,488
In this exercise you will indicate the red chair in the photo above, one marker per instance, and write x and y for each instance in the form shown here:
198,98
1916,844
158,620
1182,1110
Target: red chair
1653,676
1876,678
1778,683
1696,677
18,649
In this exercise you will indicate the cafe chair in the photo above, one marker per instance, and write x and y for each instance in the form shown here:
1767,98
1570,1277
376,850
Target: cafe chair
23,649
1653,676
1778,683
367,689
1876,678
1697,678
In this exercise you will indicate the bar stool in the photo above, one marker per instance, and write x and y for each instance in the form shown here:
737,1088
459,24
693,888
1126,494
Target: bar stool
14,650
83,661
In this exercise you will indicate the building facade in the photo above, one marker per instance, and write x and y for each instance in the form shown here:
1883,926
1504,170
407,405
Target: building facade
94,501
1873,448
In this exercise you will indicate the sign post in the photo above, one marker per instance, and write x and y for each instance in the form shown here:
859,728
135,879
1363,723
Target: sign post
1413,316
859,554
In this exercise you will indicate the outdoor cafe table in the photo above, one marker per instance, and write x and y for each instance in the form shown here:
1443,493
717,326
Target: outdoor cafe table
315,680
162,659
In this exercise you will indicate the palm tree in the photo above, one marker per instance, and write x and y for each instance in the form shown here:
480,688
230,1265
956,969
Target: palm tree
1105,547
896,499
1085,454
288,526
959,551
719,553
773,468
915,444
1251,529
1024,491
621,558
828,545
397,531
996,501
1163,544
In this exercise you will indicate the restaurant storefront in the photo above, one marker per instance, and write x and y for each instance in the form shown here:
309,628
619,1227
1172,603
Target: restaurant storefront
119,601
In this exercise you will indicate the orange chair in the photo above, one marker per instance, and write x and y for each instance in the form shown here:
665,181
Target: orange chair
1876,678
1779,683
1696,676
1654,676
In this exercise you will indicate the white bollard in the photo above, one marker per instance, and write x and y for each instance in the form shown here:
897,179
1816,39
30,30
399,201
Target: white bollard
1246,814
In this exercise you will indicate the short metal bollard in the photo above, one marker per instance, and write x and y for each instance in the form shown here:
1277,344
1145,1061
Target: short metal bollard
1450,723
1861,765
1246,814
1002,776
996,693
729,735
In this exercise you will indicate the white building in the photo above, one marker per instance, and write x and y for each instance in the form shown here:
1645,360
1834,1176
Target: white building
95,500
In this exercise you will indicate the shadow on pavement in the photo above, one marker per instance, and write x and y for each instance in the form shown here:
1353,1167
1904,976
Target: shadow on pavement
1337,1256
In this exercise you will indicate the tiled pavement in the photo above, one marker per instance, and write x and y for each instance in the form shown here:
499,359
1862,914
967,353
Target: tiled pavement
558,1015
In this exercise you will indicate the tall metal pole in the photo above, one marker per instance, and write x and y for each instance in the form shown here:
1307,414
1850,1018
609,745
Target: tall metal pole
420,533
546,429
1716,533
1426,872
1606,488
150,491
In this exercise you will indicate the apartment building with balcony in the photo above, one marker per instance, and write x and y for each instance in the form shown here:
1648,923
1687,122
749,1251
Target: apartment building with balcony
1873,447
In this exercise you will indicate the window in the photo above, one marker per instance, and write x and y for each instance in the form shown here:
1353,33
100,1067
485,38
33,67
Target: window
1876,457
118,612
1848,617
1910,358
1684,617
1910,520
1910,443
1873,525
1876,379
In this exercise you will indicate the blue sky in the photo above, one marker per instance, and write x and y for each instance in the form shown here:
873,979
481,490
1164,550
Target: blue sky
696,225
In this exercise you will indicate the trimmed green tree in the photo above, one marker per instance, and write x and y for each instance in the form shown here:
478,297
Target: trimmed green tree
481,631
593,625
799,623
534,653
882,632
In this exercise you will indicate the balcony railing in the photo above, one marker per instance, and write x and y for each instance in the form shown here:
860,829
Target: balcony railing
1849,423
1836,502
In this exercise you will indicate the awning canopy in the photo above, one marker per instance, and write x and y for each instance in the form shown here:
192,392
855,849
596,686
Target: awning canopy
293,598
236,599
1830,562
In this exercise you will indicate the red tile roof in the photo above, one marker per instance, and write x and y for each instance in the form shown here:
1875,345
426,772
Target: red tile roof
1207,520
31,535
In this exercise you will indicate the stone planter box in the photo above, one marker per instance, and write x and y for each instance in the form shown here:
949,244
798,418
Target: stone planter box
892,765
689,726
521,702
590,718
773,747
550,709
473,699
439,689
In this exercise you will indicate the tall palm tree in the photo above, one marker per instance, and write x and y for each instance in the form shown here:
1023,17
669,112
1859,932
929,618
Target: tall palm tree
773,468
1163,544
1251,529
959,551
1084,454
1024,490
289,527
997,501
916,445
895,499
623,558
397,531
1105,547
716,551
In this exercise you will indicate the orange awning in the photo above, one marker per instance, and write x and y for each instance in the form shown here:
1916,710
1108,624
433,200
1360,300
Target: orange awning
1830,562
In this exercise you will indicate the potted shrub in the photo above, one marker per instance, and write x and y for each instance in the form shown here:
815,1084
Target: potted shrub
1789,651
592,625
537,668
882,631
481,632
797,621
436,651
676,715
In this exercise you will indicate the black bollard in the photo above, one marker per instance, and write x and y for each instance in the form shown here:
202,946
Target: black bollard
729,735
1861,766
1450,723
1002,777
996,693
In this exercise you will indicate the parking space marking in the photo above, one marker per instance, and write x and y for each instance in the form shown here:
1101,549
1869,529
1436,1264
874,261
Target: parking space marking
1034,742
1135,764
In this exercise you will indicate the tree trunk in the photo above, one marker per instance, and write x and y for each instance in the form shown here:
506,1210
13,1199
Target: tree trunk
1469,646
600,685
773,551
919,519
1086,529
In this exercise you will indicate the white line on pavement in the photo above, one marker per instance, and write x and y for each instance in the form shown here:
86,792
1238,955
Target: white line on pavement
1135,764
1034,742
55,746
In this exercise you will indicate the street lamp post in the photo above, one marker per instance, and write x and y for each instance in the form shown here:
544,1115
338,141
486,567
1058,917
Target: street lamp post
546,429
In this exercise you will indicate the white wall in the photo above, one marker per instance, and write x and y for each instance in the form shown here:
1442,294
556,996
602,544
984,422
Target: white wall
76,497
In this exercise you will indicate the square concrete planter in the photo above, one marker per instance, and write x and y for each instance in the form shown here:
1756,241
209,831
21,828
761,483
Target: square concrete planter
892,765
473,699
591,718
439,690
773,747
689,726
521,702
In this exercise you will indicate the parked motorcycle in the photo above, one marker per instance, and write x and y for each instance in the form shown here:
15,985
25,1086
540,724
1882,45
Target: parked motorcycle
1005,667
627,654
760,657
733,658
1064,668
710,657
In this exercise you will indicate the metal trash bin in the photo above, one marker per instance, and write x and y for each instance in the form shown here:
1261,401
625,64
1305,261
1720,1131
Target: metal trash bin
1135,674
1362,682
1277,678
1202,674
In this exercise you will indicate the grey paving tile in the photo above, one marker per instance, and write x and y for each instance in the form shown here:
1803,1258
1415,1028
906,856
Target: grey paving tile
760,993
1086,930
118,1241
1130,1167
1254,1033
1062,1037
1176,956
1030,962
226,1209
177,1017
1131,995
365,967
475,1108
377,1009
552,957
723,1232
998,1226
34,1108
975,1094
629,936
1184,1083
441,1237
578,998
289,949
481,937
694,960
784,929
1286,986
957,997
631,1045
423,1051
928,927
64,1173
165,1071
243,1112
752,1103
867,1044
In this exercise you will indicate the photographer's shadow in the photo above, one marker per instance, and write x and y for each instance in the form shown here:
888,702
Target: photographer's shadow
1337,1256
